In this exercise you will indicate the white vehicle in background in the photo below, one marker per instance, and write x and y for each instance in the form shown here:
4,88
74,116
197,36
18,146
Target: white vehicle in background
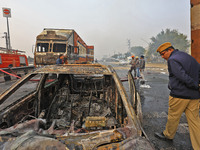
123,62
129,59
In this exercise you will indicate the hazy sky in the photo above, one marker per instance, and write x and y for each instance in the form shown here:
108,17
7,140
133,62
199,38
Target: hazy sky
106,24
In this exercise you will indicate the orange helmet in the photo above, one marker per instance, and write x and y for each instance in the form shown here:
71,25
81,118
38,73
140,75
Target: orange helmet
132,56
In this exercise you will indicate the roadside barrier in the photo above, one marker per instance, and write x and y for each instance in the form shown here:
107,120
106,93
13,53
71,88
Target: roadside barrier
7,74
17,76
14,75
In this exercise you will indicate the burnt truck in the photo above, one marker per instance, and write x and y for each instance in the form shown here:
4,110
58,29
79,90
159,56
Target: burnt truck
82,107
53,42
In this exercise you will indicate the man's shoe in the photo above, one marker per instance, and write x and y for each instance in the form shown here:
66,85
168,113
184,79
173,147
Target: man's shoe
162,136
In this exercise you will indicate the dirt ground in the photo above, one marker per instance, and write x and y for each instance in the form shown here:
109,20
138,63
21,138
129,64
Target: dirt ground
148,65
156,65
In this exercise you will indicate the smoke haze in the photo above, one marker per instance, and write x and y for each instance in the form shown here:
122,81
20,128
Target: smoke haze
106,24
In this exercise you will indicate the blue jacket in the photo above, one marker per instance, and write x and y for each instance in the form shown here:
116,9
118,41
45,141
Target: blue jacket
59,61
183,75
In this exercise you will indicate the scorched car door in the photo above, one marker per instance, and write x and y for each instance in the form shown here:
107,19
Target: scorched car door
134,97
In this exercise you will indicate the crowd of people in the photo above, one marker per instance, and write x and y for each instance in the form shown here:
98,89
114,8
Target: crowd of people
137,65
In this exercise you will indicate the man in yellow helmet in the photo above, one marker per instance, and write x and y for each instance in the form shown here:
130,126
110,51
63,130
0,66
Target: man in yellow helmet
137,64
184,93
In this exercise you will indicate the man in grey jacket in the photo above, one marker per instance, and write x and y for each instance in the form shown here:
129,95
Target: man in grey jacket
133,65
142,63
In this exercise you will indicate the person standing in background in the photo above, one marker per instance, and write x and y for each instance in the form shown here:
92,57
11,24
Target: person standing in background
142,66
59,60
133,65
142,63
137,64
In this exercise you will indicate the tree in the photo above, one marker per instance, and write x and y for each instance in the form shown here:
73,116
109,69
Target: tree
137,50
178,40
127,54
115,56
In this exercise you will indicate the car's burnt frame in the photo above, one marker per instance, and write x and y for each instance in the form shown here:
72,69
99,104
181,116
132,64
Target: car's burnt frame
94,87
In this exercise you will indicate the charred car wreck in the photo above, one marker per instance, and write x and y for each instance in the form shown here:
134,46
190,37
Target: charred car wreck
71,107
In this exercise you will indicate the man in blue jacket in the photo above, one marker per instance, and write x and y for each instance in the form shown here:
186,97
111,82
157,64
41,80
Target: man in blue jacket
184,93
59,60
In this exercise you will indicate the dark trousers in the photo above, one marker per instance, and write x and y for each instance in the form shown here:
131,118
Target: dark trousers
131,69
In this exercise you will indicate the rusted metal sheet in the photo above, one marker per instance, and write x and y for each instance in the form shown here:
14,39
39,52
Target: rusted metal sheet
195,29
128,144
95,122
72,107
46,58
91,141
76,69
61,35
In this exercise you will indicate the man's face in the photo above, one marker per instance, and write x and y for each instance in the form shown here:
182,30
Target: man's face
166,54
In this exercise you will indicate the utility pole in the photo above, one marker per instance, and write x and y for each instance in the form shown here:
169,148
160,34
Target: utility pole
195,28
8,35
7,14
129,44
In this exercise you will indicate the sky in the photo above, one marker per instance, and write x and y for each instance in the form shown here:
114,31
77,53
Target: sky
106,24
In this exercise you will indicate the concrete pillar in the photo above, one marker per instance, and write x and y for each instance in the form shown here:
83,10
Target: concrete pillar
195,29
